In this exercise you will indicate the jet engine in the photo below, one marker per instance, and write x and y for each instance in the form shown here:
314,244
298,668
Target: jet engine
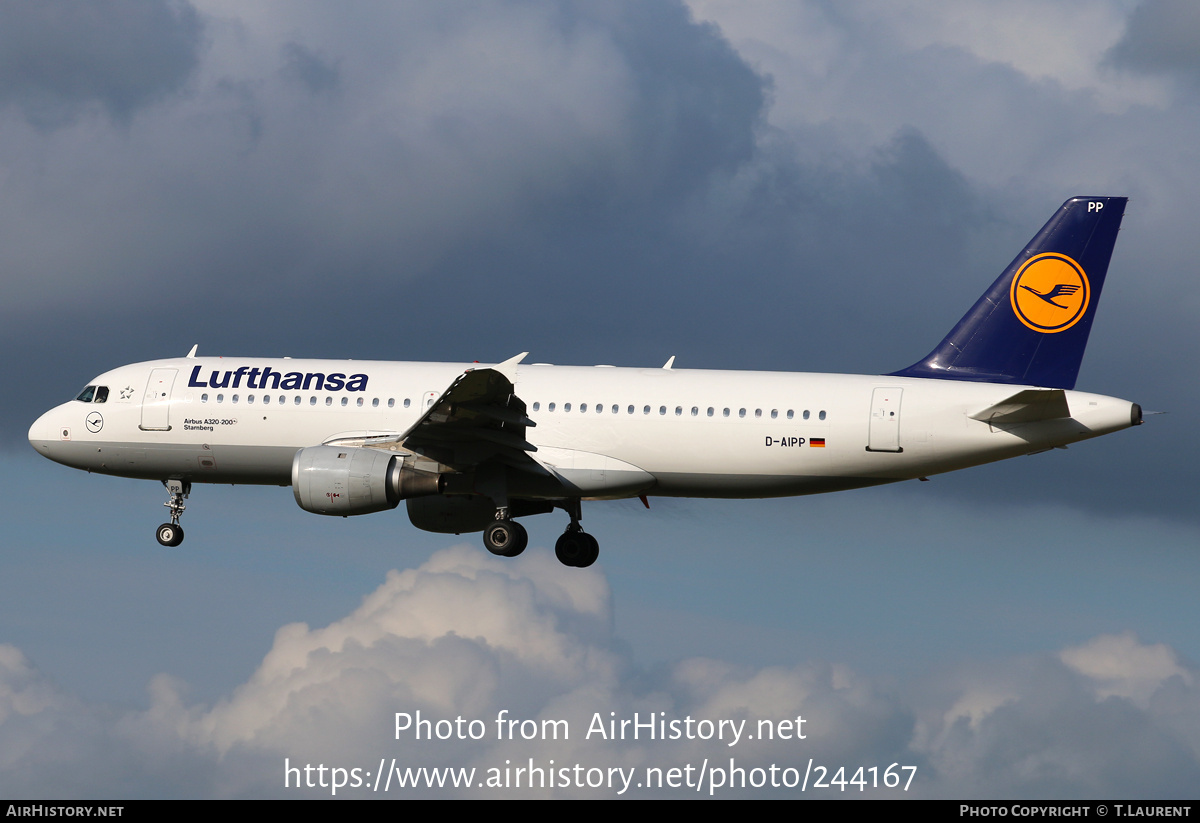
342,481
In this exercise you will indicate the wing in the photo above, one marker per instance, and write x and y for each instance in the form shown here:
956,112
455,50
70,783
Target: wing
478,419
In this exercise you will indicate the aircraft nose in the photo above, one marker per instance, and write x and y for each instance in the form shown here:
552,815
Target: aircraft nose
42,433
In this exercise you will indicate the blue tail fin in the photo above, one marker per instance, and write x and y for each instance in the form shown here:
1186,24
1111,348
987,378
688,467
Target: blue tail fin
1032,325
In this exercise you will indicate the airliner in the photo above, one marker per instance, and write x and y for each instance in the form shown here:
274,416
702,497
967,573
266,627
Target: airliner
473,447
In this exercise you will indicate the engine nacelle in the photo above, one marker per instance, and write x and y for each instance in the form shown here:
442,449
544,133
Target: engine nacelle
351,480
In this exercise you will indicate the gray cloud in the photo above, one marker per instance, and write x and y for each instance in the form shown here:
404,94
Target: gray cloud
58,57
1161,36
535,170
468,635
309,68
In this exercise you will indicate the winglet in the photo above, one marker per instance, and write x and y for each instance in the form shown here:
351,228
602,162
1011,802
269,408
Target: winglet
670,363
192,354
509,367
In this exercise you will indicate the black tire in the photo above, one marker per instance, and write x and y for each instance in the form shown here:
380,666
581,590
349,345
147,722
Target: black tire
505,538
521,541
592,552
169,535
576,549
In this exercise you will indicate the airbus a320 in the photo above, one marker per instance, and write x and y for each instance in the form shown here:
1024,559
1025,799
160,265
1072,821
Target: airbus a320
473,447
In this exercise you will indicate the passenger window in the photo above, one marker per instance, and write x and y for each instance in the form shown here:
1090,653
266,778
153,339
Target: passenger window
695,411
645,410
774,413
233,399
821,416
392,403
566,407
758,412
678,411
297,401
724,412
204,398
582,407
407,403
220,398
537,406
791,414
312,401
360,403
806,413
662,409
616,409
552,407
710,411
741,412
250,399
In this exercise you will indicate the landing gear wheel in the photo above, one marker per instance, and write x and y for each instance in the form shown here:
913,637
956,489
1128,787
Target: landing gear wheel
505,538
170,534
577,548
593,552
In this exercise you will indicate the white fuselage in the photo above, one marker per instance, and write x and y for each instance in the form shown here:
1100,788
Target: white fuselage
607,432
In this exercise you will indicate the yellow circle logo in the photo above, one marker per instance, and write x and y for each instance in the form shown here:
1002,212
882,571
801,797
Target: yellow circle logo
1050,293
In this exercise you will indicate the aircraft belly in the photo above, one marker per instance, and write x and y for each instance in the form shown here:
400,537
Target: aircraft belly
267,465
746,486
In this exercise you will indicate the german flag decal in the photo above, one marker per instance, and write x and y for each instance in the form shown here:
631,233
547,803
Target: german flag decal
817,442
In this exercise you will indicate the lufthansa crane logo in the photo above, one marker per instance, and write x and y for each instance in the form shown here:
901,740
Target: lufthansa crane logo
1050,293
94,422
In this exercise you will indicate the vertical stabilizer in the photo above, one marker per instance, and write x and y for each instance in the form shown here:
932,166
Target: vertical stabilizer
1032,325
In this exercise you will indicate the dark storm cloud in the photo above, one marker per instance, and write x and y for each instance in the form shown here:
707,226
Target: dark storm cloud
308,67
59,56
594,183
511,128
1161,36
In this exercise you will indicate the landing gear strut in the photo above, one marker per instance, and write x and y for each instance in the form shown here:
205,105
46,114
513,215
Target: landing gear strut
576,547
504,537
171,534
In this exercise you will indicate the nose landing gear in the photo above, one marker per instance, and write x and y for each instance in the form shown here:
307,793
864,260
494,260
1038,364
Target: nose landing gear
171,534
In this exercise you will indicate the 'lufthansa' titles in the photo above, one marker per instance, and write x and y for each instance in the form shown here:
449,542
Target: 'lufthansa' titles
268,378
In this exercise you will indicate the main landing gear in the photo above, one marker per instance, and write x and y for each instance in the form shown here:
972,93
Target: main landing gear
507,538
171,534
504,537
576,547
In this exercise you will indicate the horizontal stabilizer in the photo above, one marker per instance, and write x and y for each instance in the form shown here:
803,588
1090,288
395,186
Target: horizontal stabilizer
1027,406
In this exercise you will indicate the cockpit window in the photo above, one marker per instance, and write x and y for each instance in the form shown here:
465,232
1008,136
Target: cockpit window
101,394
86,394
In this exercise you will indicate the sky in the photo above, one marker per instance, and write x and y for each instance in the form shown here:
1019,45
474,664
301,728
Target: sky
809,186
